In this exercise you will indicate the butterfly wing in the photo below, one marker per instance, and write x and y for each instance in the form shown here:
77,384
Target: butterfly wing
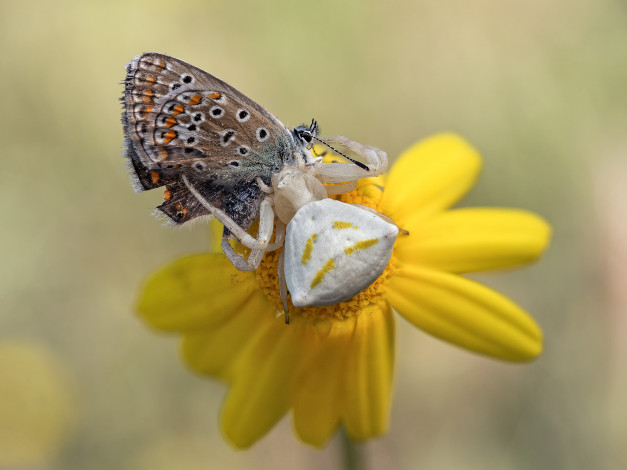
240,202
180,119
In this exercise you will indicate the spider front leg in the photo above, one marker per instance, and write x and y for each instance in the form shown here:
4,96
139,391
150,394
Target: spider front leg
266,226
376,161
255,256
257,245
341,188
279,236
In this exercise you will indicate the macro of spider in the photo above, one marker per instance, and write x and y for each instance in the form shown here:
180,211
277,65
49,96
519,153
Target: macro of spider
220,154
297,204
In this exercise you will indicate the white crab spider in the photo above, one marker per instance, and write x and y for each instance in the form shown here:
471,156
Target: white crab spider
299,190
333,251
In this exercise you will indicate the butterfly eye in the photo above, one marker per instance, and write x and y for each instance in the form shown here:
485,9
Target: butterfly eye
306,136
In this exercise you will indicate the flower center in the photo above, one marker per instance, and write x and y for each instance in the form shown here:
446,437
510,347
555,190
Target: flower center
369,194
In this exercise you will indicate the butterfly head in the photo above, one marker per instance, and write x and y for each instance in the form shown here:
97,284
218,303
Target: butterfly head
307,134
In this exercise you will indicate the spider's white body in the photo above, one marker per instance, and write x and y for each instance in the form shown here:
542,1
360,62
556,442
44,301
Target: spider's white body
298,188
333,251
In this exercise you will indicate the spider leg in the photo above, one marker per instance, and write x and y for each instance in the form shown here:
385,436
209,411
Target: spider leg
235,258
283,286
376,160
266,226
341,188
263,186
266,217
279,236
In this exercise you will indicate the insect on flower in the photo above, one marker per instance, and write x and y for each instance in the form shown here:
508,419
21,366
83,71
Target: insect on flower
220,154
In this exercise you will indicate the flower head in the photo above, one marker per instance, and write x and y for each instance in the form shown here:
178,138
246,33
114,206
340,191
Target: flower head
334,365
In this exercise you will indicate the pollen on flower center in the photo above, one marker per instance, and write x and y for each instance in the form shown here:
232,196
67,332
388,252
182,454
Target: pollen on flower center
369,195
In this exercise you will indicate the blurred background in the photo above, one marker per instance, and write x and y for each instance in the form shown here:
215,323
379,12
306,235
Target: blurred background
539,87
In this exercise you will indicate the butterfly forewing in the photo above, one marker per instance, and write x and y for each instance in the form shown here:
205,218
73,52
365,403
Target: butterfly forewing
180,119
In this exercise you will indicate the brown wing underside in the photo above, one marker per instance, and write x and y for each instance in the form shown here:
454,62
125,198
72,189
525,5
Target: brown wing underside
179,119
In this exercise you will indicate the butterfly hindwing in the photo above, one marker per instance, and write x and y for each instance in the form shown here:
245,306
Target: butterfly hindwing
241,203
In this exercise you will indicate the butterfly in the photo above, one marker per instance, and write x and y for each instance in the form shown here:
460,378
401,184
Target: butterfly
220,154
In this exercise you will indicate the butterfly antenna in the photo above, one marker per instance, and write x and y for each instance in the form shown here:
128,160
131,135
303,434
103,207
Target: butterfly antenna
359,164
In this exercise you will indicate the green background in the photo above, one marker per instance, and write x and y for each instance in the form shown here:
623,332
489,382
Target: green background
539,87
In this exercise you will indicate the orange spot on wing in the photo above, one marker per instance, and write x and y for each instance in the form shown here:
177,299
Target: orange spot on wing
149,108
178,207
195,100
167,195
154,176
215,96
178,109
169,136
163,154
147,98
160,63
184,212
170,121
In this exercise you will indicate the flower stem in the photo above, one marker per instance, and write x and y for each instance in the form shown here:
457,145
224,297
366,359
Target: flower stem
352,454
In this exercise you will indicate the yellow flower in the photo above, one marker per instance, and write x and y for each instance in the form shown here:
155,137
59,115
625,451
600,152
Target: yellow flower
333,365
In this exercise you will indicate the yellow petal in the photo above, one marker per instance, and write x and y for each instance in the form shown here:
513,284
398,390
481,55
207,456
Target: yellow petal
212,352
466,240
215,236
263,375
194,292
465,313
368,374
429,177
318,387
